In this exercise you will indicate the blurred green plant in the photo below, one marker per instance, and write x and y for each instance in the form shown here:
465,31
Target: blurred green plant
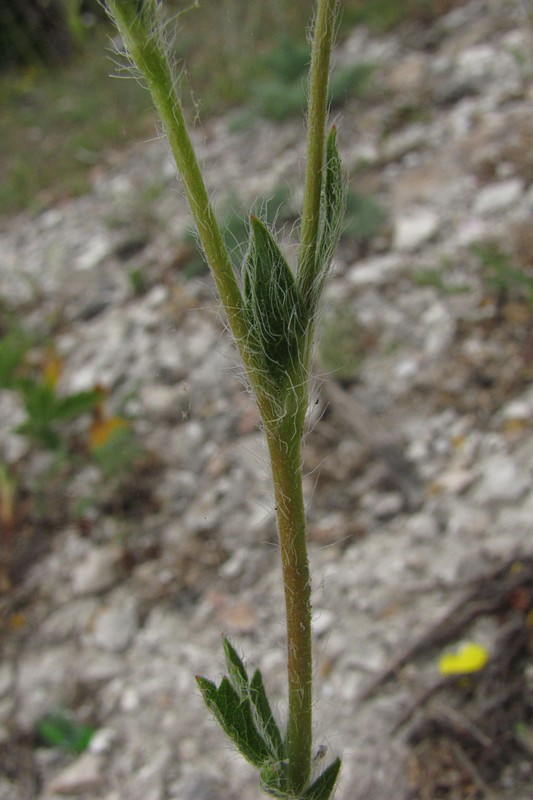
341,347
436,279
45,408
364,218
500,273
55,126
138,281
383,15
8,491
112,444
280,92
60,729
111,441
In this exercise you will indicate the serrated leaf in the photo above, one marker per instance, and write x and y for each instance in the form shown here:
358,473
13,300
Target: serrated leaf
273,303
237,674
322,788
332,212
234,715
264,717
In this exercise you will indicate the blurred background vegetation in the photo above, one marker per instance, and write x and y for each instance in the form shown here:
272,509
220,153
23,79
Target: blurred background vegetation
60,113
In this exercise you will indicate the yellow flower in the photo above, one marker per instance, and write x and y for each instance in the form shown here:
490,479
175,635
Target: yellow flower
469,657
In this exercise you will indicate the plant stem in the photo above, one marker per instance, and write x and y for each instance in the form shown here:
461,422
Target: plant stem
146,50
284,446
317,112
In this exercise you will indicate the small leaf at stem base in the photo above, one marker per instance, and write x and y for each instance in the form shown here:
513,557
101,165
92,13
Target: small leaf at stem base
322,788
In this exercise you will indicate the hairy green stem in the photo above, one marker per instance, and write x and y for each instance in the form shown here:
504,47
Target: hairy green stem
317,113
285,456
144,43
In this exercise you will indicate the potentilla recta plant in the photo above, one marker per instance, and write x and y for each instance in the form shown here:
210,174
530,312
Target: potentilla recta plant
271,311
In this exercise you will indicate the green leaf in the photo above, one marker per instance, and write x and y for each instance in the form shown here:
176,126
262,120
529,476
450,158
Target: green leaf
40,401
12,350
40,432
264,717
324,785
273,303
332,210
235,717
237,674
74,404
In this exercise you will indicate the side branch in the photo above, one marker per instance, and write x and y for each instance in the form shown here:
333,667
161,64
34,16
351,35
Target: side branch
317,112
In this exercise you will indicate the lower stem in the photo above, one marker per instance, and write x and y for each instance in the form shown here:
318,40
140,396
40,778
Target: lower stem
285,455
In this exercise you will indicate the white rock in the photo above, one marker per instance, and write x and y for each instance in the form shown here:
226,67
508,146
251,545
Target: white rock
43,679
101,667
422,527
83,775
116,625
404,141
440,327
323,619
94,253
501,480
97,572
375,271
406,368
102,741
455,481
498,196
414,229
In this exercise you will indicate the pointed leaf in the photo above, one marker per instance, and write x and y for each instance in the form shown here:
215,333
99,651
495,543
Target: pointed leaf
324,785
209,691
332,210
273,301
74,404
237,674
235,717
265,720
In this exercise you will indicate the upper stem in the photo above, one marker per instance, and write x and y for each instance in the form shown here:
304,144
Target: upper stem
316,127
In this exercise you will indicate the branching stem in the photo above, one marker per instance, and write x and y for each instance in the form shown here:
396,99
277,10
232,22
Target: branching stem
283,411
